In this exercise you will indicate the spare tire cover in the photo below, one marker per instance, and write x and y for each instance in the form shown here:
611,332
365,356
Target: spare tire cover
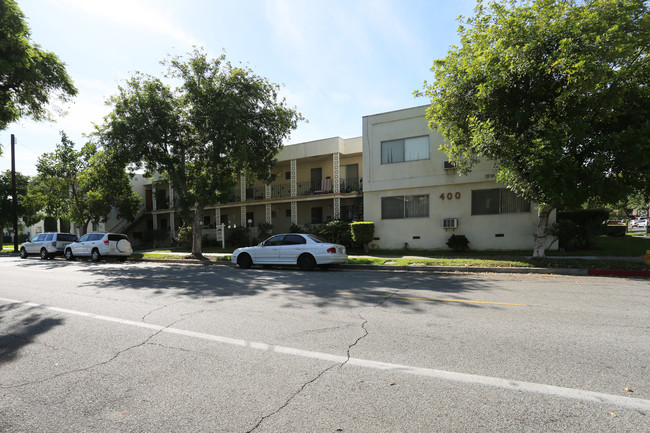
123,246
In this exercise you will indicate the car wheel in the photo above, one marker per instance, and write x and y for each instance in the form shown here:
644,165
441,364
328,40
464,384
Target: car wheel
44,254
69,256
306,262
95,256
23,253
244,261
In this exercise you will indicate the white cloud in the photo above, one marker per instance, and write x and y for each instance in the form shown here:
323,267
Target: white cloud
142,15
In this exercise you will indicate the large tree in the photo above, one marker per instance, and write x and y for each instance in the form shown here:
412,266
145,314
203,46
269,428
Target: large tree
29,76
220,121
27,210
555,93
83,186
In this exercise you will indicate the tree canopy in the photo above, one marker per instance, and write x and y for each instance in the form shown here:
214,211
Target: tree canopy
221,120
555,93
29,76
26,209
83,186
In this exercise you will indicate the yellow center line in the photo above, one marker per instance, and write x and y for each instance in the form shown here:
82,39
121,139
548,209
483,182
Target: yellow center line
416,298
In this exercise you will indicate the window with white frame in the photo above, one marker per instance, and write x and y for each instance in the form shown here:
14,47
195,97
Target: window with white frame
407,149
405,206
497,201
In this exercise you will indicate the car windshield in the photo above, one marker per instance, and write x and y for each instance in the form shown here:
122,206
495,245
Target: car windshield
317,239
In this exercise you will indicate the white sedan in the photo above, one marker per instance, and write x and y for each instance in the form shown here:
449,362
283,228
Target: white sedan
304,250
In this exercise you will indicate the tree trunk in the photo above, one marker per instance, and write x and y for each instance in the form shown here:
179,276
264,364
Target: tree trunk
540,233
197,232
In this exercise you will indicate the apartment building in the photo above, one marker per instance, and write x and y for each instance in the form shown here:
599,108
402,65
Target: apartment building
315,182
416,198
395,175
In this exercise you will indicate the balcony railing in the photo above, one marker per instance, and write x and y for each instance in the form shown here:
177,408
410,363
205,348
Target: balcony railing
283,190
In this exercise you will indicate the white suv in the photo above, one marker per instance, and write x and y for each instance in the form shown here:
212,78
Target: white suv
100,245
47,245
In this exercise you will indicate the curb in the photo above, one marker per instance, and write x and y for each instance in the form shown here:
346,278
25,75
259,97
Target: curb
618,273
443,269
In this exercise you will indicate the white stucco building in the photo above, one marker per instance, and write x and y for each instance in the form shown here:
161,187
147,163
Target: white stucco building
393,175
415,197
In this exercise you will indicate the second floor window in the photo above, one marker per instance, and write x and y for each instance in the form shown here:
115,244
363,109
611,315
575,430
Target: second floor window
407,149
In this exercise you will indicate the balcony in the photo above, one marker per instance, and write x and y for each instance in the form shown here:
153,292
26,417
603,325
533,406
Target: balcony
307,188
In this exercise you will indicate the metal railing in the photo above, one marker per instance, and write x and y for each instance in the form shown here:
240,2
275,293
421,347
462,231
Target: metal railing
283,190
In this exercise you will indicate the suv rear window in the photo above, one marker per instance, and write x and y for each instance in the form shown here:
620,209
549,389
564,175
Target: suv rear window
116,237
66,237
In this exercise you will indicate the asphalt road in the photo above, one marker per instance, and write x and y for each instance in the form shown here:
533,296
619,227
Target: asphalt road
151,347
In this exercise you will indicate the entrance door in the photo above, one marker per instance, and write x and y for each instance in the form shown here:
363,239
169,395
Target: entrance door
350,178
316,179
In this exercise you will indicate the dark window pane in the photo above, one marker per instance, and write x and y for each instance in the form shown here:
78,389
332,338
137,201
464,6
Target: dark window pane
485,201
392,207
416,206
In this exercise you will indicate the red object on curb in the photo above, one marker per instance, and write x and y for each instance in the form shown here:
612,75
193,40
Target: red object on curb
619,272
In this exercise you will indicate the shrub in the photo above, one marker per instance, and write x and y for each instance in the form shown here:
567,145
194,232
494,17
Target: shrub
616,231
156,237
337,232
577,229
184,236
264,230
363,233
238,237
458,243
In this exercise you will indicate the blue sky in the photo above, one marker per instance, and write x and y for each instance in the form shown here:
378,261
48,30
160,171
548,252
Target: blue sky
337,60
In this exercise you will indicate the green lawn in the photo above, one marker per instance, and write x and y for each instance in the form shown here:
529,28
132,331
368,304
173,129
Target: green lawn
628,246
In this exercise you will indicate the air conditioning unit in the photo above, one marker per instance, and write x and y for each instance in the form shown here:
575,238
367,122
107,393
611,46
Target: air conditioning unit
450,223
448,165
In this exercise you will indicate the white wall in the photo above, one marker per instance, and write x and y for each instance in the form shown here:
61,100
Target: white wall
428,177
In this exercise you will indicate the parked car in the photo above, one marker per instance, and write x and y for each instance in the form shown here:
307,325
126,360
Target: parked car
639,222
48,245
304,250
100,245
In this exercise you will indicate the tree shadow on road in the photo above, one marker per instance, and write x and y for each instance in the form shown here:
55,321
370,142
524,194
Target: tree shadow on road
19,326
334,287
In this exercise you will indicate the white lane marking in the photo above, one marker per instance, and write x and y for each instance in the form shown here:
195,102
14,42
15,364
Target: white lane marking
516,385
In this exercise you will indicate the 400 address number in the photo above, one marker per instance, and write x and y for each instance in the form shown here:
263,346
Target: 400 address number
450,196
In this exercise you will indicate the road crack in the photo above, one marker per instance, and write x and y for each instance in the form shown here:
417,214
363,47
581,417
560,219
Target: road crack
90,367
319,375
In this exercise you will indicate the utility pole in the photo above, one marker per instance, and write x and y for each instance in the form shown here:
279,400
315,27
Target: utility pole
14,194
